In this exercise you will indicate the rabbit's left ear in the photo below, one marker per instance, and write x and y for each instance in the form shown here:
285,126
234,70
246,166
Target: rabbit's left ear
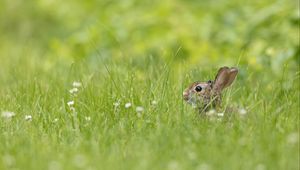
224,78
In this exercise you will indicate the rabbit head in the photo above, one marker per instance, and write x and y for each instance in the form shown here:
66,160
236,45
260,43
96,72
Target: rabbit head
203,95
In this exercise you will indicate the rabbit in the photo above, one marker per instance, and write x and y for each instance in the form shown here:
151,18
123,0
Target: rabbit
207,95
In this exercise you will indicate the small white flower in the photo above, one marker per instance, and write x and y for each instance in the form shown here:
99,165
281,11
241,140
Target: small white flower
73,90
220,114
76,84
219,119
242,111
28,117
7,114
211,112
116,104
127,105
154,102
55,120
194,106
87,118
70,103
139,109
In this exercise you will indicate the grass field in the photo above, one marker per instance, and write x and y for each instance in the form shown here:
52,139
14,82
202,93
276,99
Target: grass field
98,85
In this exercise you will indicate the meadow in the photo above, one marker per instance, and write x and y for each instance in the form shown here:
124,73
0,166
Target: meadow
98,84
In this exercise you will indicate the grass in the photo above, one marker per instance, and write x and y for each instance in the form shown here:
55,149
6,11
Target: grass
168,135
134,52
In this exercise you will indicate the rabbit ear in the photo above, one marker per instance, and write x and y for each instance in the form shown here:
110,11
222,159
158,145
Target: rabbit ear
224,78
232,75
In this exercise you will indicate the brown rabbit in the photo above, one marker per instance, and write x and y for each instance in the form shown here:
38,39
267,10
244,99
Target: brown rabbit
206,95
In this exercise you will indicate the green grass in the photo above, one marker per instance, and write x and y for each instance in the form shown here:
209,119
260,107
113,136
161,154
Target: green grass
133,52
168,135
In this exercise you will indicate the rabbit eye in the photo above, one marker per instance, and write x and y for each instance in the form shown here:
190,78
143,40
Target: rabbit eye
198,88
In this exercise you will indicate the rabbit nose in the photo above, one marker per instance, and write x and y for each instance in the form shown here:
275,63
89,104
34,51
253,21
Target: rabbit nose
185,95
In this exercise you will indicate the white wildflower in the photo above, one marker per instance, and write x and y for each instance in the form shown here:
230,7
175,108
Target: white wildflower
116,104
219,119
127,105
76,84
73,90
28,117
87,118
220,114
55,120
139,109
242,111
70,103
7,114
211,112
154,102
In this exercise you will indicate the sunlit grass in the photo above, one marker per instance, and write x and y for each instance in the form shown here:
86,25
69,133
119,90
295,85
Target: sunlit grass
97,127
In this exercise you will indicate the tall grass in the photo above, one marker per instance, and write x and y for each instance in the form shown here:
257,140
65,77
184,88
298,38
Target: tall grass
166,135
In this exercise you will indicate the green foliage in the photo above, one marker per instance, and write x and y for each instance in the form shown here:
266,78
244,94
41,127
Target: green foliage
138,52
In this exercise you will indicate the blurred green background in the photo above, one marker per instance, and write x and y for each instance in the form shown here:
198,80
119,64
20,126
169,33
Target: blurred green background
260,34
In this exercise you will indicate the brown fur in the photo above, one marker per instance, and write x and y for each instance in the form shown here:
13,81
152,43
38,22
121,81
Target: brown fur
211,94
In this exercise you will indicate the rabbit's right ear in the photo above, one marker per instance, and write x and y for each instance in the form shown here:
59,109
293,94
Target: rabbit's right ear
224,78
